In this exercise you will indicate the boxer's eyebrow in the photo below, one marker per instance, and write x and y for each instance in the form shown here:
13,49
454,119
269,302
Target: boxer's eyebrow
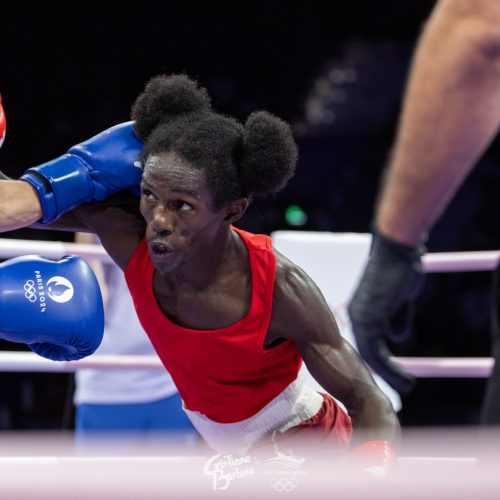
177,189
189,192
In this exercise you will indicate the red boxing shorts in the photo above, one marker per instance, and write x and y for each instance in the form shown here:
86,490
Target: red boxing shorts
329,431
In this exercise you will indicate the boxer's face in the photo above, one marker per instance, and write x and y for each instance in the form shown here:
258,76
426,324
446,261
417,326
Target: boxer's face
177,204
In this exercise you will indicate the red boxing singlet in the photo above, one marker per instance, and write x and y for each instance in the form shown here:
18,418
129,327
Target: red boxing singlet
225,374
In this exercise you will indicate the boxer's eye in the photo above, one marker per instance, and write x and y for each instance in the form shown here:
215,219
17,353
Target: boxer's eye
183,206
148,194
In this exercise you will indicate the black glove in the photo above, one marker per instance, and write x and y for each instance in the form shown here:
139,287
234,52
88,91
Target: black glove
383,306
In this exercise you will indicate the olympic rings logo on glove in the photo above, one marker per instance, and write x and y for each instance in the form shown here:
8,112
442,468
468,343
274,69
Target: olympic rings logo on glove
30,291
284,483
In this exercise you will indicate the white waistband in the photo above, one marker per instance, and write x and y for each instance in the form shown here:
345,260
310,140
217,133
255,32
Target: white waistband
296,403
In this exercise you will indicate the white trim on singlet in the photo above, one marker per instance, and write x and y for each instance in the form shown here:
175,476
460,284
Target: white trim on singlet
298,402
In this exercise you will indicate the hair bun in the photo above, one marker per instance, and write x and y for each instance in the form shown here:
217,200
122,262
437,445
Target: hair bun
166,97
269,154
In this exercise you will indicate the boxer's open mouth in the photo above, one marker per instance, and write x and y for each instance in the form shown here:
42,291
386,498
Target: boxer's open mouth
159,248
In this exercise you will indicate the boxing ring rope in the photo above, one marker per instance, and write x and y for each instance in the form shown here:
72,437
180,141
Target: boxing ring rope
420,367
51,249
13,361
441,262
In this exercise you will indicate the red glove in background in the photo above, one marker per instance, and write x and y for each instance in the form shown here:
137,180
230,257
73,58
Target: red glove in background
374,457
3,123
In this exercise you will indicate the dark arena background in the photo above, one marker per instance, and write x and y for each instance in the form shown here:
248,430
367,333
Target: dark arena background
336,70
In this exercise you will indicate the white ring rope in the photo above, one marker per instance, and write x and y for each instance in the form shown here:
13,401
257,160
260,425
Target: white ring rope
447,367
432,262
51,249
165,460
13,361
448,262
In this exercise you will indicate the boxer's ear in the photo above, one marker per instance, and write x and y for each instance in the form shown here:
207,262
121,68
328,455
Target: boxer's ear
235,209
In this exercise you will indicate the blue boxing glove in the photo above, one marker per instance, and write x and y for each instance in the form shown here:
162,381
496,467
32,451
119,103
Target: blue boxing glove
54,307
91,171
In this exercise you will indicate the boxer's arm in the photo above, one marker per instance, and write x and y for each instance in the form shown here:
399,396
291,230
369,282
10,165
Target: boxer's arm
451,112
19,205
95,264
116,221
301,314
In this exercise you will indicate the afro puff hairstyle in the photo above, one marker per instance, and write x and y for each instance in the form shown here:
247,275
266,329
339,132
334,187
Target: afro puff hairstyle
174,114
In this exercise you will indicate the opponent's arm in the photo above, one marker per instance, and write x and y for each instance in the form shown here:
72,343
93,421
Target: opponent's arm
102,168
19,205
95,180
88,172
304,317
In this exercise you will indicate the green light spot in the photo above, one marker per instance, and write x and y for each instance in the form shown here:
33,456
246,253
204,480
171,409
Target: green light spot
295,216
